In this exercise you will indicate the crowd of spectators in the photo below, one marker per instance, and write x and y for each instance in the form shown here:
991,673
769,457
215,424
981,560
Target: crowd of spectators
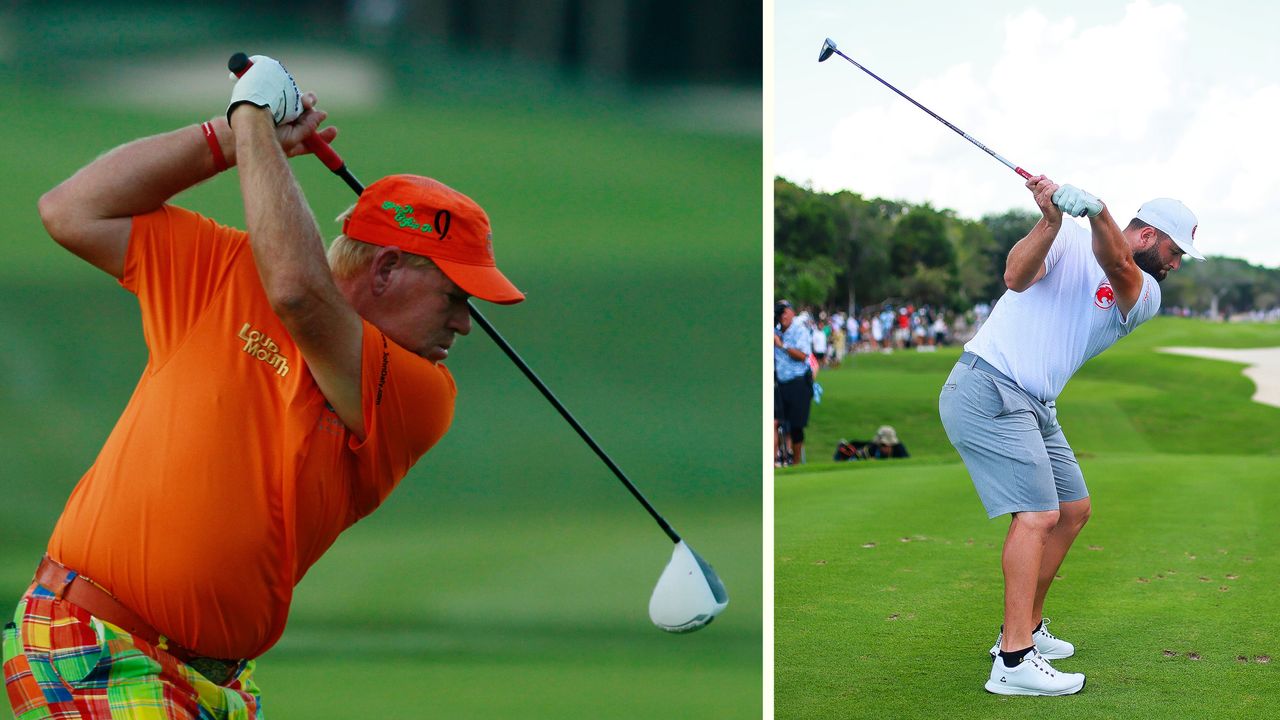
1272,315
886,327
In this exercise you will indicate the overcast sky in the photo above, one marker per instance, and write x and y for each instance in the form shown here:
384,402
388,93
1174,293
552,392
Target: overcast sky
1128,101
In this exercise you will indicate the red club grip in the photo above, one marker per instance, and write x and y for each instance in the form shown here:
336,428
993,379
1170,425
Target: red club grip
324,151
239,64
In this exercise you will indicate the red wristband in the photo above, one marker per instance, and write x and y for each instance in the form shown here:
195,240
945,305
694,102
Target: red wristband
219,160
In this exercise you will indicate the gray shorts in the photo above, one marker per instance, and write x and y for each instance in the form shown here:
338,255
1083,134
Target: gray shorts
1011,443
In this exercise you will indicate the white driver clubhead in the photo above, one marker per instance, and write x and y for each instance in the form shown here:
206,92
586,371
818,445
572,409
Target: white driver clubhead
689,594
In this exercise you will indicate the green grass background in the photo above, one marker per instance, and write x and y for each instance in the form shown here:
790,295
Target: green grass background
509,575
887,574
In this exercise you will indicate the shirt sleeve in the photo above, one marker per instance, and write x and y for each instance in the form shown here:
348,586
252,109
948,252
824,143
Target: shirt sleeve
1147,306
1069,234
176,262
407,403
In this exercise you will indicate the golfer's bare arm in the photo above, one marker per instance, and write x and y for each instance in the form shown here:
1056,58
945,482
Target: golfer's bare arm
1112,252
90,213
1025,265
289,255
793,353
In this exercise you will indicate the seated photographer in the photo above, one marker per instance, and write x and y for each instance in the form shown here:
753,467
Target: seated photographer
883,446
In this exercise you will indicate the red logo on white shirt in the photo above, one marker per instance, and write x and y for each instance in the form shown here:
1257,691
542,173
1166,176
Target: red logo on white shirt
1104,297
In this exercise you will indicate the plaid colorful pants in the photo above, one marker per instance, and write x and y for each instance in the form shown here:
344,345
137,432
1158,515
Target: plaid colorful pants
60,662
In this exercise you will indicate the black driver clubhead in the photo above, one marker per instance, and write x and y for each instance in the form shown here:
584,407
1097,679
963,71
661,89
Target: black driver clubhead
828,47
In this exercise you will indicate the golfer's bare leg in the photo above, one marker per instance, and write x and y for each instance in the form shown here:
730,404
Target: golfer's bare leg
1024,549
797,452
1071,518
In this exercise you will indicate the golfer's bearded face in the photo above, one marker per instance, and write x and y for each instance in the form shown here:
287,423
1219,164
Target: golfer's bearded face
1160,258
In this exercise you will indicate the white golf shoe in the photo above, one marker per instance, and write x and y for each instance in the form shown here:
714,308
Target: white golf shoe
1033,676
1050,647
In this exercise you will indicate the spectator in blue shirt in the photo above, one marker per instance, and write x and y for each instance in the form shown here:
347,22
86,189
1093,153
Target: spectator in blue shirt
793,380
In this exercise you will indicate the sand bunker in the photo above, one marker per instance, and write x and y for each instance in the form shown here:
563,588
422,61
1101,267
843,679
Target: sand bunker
199,79
1263,367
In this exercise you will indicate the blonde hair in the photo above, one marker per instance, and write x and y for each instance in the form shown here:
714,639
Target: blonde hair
349,257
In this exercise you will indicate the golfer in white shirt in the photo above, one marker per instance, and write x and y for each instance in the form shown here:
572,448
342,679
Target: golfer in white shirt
1073,292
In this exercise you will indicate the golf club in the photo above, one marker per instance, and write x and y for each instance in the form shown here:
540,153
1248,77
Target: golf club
829,47
689,594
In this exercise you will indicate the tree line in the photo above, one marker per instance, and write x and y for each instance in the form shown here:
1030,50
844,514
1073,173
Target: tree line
843,251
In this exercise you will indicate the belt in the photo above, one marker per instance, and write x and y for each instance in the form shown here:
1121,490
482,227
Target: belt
968,358
69,585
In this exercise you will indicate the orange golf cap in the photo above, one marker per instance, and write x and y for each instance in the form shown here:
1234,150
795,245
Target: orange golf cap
426,217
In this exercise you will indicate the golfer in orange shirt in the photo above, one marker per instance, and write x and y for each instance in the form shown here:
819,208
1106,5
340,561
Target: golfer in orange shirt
284,398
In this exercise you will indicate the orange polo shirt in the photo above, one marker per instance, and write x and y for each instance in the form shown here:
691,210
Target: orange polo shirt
228,476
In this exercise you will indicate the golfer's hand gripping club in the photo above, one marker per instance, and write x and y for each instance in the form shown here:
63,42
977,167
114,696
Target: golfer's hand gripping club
239,64
1076,202
266,83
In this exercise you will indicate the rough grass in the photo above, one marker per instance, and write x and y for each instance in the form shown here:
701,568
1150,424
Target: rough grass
887,577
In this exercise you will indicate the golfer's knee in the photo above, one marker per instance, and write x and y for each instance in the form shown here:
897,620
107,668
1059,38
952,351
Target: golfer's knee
1076,514
1040,523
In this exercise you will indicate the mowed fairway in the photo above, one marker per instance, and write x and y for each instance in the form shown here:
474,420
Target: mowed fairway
887,576
509,575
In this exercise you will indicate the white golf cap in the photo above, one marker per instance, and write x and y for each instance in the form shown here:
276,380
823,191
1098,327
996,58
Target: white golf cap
1173,219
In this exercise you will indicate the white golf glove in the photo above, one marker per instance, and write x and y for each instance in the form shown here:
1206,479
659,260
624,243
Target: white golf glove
1076,202
268,85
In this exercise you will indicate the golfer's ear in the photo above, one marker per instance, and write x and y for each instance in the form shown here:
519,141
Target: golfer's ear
1150,236
385,261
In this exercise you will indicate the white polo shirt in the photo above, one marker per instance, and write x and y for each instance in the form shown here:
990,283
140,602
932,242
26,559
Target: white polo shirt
1041,336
